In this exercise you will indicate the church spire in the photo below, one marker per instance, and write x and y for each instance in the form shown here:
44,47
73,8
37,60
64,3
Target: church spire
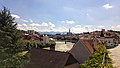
69,30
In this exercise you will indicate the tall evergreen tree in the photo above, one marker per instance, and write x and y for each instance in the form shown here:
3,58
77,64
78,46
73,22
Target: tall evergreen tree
9,38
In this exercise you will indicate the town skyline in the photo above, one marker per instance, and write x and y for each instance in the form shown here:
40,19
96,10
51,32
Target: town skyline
31,49
58,16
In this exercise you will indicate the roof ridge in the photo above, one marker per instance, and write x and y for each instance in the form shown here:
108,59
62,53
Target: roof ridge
85,46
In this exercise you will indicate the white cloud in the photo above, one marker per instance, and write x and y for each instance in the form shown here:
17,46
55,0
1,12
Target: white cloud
117,27
21,28
87,14
85,28
28,27
37,27
30,20
51,24
78,26
88,26
25,20
61,29
69,9
51,27
63,21
35,24
100,26
24,24
43,27
70,22
44,24
79,29
107,6
14,15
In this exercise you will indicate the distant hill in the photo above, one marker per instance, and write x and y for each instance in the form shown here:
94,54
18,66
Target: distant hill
53,33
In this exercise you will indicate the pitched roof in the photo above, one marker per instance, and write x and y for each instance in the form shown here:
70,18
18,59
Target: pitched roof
80,52
55,59
48,59
89,44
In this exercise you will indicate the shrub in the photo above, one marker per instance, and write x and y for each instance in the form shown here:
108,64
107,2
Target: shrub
95,60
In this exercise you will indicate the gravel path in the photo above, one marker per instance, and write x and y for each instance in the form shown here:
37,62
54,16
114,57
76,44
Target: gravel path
115,56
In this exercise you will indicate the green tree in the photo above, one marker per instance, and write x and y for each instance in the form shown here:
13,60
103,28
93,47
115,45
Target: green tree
9,46
95,60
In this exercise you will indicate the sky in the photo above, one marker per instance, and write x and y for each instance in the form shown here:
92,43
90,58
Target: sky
60,15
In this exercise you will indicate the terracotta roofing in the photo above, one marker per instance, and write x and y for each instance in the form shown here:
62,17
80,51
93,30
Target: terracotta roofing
49,59
89,44
80,52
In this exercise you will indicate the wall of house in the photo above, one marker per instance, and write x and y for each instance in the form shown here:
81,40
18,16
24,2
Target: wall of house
75,65
46,38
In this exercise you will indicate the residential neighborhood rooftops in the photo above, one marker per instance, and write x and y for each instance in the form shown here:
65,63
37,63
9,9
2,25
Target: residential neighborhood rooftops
49,59
79,53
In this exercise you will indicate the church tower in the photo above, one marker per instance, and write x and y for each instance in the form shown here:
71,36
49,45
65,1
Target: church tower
69,30
69,33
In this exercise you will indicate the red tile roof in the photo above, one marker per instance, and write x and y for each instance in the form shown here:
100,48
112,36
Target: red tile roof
89,44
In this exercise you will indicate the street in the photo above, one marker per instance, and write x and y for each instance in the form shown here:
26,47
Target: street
115,56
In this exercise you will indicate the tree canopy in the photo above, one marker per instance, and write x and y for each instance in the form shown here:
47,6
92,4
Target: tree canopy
9,41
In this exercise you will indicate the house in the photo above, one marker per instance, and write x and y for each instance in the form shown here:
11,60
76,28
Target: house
82,50
46,38
108,38
108,41
79,53
30,32
89,44
51,59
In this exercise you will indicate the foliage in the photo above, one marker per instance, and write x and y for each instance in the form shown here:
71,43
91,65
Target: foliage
9,42
43,44
109,47
95,61
28,44
8,60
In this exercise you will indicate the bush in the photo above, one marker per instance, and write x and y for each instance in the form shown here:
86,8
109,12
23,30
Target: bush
95,60
28,44
43,44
